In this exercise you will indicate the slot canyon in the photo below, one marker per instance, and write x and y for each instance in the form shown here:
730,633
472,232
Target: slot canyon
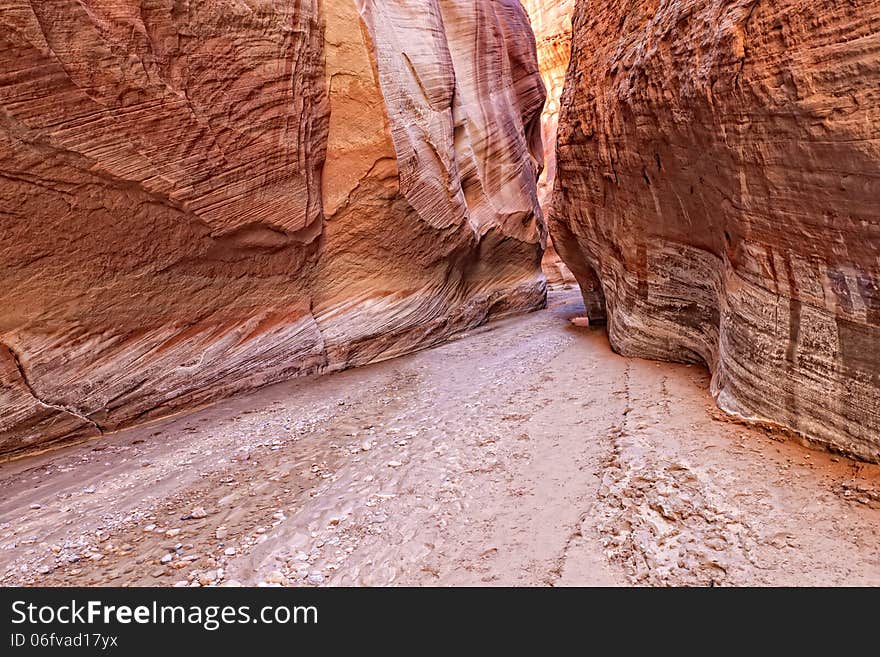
448,292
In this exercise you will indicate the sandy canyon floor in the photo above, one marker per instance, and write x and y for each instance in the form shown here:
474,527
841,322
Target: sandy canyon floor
523,453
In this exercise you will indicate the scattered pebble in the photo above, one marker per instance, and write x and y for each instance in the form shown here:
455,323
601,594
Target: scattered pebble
276,577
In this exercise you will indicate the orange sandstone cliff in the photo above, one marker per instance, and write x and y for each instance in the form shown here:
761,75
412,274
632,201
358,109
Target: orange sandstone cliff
551,22
717,198
200,199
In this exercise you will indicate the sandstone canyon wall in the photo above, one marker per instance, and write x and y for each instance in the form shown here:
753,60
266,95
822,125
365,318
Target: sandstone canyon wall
197,199
717,196
551,23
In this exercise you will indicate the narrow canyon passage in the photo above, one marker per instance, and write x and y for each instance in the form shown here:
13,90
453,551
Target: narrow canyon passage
523,453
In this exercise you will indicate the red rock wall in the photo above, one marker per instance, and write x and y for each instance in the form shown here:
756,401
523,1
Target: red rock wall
551,22
198,201
717,196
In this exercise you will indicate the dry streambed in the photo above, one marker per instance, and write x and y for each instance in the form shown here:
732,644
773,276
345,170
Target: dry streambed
524,453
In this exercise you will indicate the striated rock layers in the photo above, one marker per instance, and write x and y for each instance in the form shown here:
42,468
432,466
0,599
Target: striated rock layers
717,196
551,22
197,199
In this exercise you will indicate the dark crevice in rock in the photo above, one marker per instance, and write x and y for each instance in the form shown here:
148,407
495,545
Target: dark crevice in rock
56,406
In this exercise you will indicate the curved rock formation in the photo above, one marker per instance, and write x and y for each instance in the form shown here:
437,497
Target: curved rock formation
717,195
551,22
194,202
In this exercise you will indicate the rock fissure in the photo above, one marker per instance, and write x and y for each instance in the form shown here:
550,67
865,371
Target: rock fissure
39,398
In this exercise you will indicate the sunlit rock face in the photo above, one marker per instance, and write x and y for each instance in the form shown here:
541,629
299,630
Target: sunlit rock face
551,22
717,198
197,202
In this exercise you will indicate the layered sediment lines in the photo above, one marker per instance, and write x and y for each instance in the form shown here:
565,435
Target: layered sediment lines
197,202
551,22
716,197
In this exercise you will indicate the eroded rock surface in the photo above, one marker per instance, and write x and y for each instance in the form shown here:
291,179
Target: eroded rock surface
551,22
194,203
717,196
